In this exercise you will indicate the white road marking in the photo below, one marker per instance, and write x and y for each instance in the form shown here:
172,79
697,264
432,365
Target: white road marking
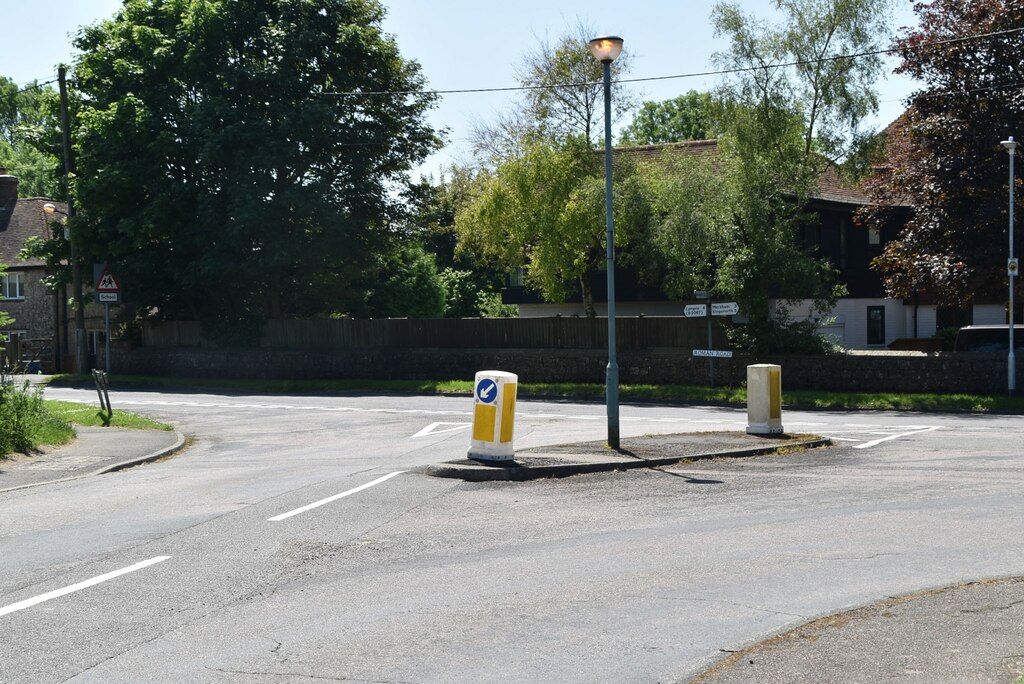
28,603
321,502
432,429
874,442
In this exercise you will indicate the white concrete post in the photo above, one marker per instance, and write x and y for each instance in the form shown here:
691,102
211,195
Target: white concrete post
764,399
494,410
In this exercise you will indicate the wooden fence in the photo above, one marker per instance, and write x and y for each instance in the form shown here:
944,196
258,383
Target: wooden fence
462,333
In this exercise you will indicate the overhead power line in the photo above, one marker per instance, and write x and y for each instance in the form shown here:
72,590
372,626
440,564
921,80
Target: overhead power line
696,74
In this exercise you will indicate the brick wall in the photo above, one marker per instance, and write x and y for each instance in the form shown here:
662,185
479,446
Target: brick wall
854,371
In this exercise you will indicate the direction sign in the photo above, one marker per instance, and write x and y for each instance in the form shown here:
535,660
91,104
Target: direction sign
107,282
713,352
487,391
724,308
695,310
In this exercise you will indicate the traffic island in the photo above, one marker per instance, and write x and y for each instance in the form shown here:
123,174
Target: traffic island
650,451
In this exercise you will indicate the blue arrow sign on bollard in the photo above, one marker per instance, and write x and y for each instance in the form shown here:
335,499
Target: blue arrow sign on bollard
487,391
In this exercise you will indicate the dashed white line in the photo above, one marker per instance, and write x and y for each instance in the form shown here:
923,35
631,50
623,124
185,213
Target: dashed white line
28,603
321,502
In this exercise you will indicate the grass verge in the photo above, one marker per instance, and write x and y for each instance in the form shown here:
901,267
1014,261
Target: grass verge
91,416
686,394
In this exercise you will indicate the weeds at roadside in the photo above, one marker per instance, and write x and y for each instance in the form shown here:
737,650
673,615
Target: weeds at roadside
25,421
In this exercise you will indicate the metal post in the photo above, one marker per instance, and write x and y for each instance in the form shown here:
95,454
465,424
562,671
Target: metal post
106,322
1011,364
612,374
81,341
711,346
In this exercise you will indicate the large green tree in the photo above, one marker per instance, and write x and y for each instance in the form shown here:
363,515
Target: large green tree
944,162
730,223
686,117
244,160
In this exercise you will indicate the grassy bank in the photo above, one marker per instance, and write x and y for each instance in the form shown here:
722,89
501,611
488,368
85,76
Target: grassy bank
28,422
684,394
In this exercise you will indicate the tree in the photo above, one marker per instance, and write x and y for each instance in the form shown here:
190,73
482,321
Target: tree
405,284
238,161
731,224
944,162
686,117
803,66
28,135
544,210
564,98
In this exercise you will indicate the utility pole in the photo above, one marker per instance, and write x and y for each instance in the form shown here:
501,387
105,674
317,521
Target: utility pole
81,341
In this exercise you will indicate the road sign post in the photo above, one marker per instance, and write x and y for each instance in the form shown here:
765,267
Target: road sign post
716,309
108,291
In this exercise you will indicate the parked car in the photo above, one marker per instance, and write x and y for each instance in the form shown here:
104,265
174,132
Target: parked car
989,338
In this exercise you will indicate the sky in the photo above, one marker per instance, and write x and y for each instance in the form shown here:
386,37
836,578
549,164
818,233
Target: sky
468,44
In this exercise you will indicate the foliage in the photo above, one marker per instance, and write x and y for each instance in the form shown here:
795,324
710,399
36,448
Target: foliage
28,136
800,66
23,416
944,158
218,167
544,209
470,285
565,98
404,284
686,117
730,223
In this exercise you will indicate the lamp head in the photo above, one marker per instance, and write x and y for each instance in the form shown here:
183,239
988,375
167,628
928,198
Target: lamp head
606,49
1010,145
49,208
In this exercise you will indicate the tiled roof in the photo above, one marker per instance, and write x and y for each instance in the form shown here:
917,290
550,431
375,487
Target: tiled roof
831,186
21,219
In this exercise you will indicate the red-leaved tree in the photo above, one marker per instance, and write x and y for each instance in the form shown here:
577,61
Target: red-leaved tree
945,170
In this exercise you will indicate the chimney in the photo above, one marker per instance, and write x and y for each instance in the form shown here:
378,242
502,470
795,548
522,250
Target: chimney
8,188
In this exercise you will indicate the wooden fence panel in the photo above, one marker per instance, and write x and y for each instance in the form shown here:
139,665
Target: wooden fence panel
466,333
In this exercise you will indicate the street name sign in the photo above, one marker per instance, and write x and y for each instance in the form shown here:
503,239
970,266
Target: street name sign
695,310
713,353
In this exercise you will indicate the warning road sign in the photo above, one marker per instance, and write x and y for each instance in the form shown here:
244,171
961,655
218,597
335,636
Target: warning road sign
107,282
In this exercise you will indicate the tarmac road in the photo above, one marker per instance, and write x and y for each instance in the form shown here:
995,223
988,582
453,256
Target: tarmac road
646,575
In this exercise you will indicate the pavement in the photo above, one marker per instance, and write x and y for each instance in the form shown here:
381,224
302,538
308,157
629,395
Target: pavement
96,451
971,632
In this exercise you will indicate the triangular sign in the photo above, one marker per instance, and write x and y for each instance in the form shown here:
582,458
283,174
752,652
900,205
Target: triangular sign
107,282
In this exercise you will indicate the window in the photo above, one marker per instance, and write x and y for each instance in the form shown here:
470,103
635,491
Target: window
12,286
876,325
874,236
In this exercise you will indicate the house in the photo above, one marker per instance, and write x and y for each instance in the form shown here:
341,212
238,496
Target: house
41,338
864,319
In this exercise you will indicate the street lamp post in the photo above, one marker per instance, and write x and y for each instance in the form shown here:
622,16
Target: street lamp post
1011,271
605,50
81,351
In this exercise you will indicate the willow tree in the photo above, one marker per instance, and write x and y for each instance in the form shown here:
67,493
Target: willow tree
543,210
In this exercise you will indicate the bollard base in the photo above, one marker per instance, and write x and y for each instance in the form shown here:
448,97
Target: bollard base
490,458
764,430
